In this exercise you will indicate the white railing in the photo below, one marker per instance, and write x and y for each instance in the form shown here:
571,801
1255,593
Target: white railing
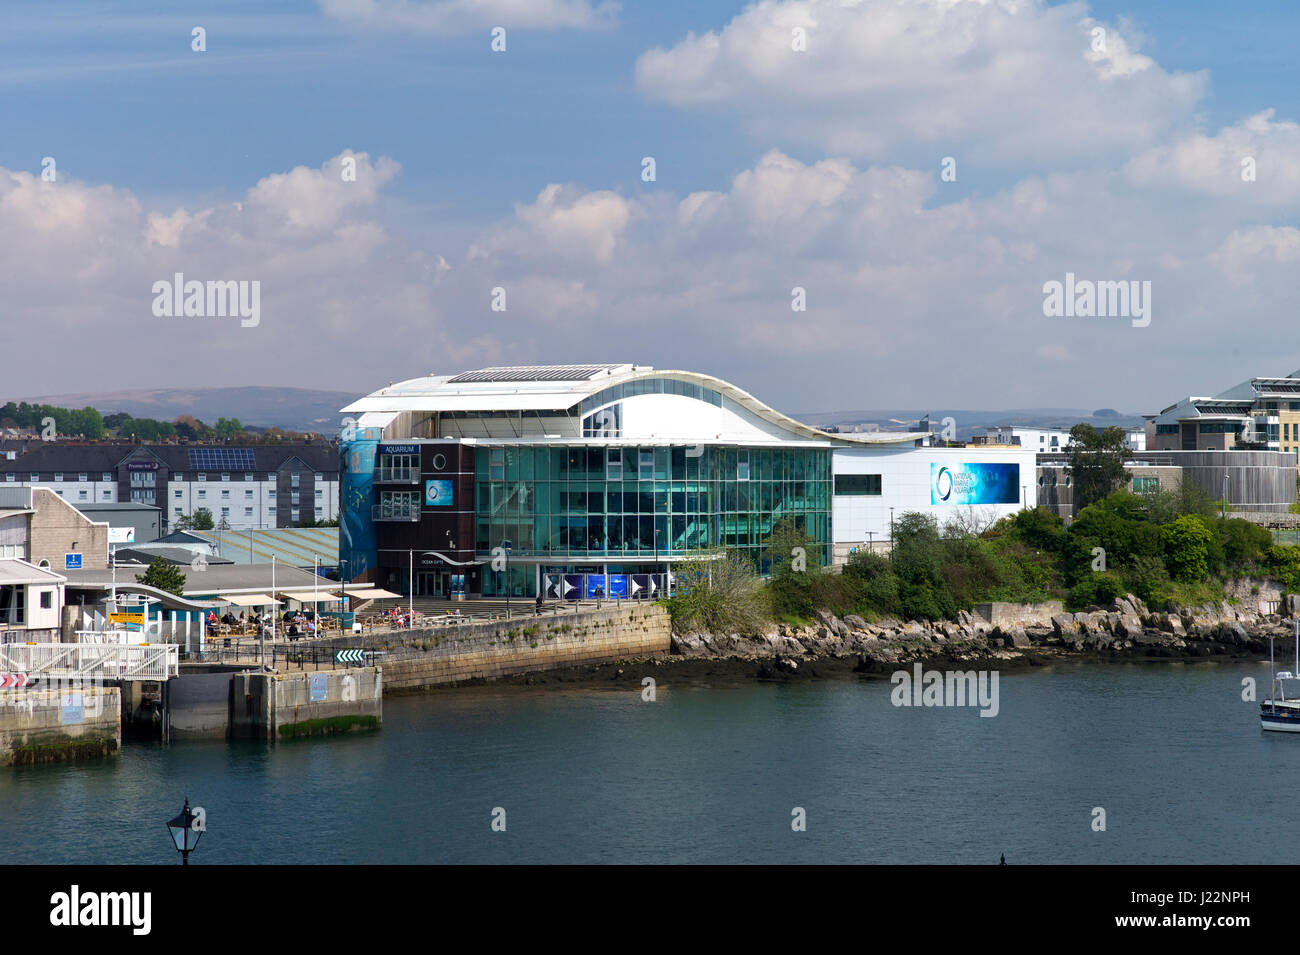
109,661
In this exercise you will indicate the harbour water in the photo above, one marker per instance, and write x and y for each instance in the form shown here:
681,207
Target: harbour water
710,772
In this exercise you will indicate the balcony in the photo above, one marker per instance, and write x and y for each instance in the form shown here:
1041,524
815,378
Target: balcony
397,475
395,512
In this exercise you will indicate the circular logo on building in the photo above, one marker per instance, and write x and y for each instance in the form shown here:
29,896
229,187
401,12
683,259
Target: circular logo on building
432,492
943,483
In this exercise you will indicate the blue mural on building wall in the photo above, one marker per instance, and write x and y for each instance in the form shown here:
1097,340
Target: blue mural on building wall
980,483
358,544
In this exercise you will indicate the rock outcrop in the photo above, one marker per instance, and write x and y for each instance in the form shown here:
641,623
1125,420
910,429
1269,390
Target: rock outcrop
1126,627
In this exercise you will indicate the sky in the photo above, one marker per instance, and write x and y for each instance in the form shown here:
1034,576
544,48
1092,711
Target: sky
854,203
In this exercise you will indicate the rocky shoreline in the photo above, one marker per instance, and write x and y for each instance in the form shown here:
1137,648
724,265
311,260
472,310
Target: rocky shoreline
1126,630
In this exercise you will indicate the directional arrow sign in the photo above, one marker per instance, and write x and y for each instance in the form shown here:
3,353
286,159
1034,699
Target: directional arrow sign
350,656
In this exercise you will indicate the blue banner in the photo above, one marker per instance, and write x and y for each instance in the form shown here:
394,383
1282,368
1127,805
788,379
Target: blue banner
982,483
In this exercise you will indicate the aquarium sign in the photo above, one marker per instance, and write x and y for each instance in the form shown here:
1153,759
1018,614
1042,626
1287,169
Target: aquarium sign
981,483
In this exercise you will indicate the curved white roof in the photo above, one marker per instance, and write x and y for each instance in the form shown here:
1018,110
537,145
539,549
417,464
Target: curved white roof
560,387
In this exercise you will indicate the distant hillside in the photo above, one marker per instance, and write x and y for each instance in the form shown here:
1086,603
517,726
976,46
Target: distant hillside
968,421
294,409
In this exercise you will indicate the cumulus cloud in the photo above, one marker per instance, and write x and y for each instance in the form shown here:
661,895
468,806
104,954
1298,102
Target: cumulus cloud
1009,81
1256,161
462,16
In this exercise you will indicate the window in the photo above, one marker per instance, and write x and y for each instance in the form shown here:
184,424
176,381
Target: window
605,423
857,485
318,492
47,600
203,494
106,494
646,464
176,476
742,465
83,495
108,477
271,511
83,476
225,512
58,475
177,494
201,477
248,494
179,512
248,512
1166,429
613,464
35,477
225,494
225,475
497,464
9,477
248,477
11,604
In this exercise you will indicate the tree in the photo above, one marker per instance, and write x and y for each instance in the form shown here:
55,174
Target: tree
164,576
228,428
201,520
1096,463
1186,544
717,596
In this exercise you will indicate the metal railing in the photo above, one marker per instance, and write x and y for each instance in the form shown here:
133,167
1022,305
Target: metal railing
103,660
397,475
395,512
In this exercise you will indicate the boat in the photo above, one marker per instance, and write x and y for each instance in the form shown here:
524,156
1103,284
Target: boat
1279,714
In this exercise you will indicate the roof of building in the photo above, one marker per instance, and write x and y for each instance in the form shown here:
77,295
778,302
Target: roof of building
300,546
116,506
145,553
561,387
58,456
15,571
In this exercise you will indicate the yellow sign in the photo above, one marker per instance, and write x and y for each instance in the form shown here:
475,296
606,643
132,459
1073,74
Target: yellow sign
136,618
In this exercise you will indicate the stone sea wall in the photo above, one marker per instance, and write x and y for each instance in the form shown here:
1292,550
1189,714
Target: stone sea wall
526,644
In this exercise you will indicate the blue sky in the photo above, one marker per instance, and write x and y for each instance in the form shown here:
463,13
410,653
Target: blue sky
115,89
114,93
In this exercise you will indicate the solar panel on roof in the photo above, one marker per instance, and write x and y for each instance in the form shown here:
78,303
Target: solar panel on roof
530,373
221,459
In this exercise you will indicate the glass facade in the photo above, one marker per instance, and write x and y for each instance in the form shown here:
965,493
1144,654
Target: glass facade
593,505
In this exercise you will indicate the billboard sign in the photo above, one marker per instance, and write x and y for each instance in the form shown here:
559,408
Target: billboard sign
437,493
121,535
977,483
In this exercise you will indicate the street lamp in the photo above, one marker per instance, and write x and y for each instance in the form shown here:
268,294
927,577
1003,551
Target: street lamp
343,601
505,552
183,832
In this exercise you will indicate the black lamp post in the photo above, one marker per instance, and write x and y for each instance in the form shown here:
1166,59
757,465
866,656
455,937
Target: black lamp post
505,550
183,833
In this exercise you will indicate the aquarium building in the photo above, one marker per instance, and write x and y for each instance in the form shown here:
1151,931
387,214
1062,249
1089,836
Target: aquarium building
595,480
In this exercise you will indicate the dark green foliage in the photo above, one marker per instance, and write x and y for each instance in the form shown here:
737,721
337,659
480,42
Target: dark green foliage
164,576
1096,463
1095,589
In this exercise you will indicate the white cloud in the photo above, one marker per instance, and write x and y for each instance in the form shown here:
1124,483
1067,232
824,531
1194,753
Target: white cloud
1009,81
1256,161
463,16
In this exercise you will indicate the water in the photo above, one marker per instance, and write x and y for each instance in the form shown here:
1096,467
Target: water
711,774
